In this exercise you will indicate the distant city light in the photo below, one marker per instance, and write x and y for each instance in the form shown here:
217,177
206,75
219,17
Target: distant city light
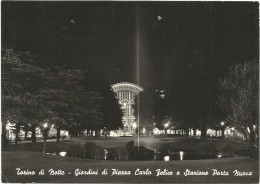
167,124
8,126
219,155
162,95
63,153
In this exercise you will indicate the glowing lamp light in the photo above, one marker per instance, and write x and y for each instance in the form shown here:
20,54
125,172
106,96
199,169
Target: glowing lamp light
233,128
222,123
181,155
167,158
254,126
63,153
219,155
134,125
162,95
124,104
166,124
45,125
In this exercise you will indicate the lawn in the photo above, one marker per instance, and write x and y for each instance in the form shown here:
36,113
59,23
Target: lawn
111,142
28,156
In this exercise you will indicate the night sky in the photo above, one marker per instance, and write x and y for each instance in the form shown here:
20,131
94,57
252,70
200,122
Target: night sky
175,38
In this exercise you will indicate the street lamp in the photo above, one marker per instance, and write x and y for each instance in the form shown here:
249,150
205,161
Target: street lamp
222,127
45,125
134,125
166,125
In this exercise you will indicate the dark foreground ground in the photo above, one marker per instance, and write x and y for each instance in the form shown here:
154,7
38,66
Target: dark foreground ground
28,156
36,162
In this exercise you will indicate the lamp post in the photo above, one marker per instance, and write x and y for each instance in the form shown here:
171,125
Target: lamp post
45,130
166,125
134,127
232,131
222,128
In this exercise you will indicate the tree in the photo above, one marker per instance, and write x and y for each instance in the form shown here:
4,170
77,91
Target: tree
74,108
22,81
110,108
238,98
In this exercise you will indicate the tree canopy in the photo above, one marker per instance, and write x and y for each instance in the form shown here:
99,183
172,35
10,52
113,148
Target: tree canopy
32,95
239,98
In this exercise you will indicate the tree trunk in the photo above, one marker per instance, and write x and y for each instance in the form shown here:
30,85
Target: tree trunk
25,131
222,132
4,138
58,134
254,152
105,133
89,133
165,134
194,131
186,132
203,131
96,133
17,131
44,143
70,135
33,134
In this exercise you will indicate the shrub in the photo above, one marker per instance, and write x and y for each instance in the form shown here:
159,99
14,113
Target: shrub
164,148
121,153
227,150
75,150
254,151
5,142
91,150
206,148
